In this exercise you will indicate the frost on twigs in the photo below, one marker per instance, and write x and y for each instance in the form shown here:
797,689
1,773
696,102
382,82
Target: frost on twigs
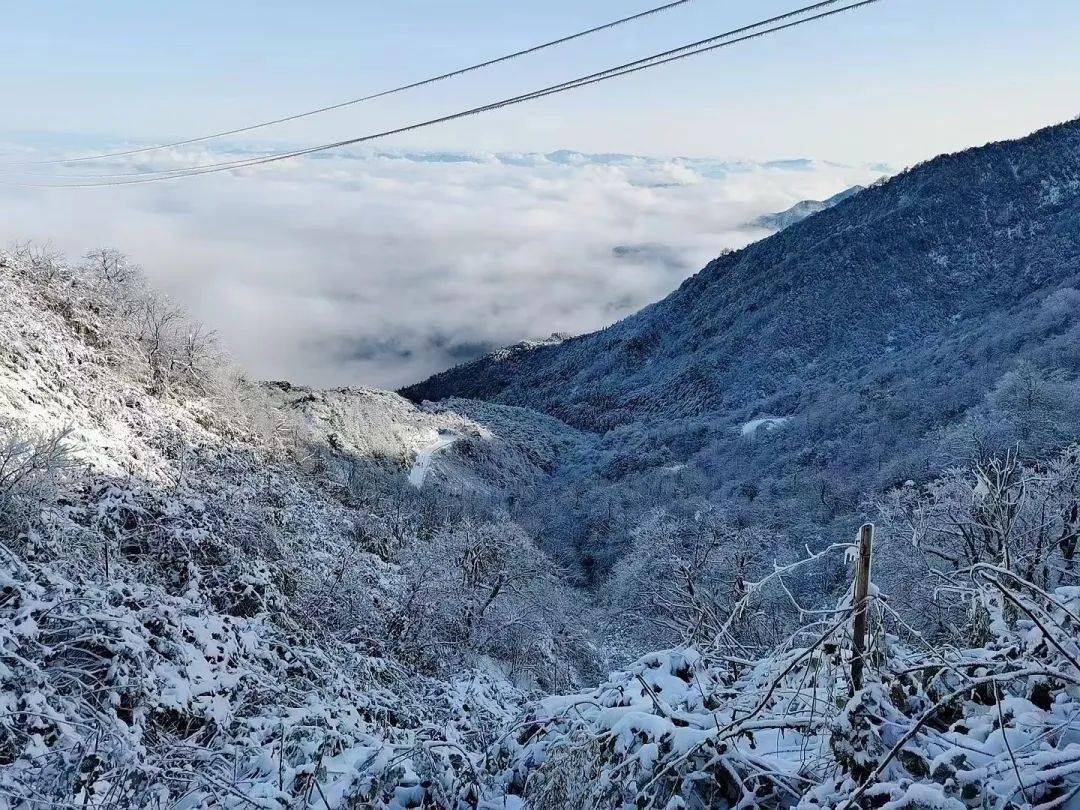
963,707
124,696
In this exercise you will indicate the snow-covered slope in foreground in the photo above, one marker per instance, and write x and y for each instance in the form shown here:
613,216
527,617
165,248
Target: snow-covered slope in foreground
215,594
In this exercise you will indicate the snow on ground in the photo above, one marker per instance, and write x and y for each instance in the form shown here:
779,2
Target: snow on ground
367,422
498,448
422,465
766,422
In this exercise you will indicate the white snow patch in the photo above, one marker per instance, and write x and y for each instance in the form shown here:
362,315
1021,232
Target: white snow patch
767,422
422,464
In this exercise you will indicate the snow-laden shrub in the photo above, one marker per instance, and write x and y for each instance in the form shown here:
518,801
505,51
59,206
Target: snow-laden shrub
30,464
965,728
125,696
975,706
484,589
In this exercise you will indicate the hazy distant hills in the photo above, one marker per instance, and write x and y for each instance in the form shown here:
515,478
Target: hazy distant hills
801,210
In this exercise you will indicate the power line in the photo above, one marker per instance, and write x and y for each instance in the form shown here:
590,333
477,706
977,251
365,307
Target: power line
684,52
655,60
381,94
242,161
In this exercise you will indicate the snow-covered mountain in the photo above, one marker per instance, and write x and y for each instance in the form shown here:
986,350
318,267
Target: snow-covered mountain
880,339
801,210
222,594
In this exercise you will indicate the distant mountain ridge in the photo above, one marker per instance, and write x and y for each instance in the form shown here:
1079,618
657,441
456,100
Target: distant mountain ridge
58,144
801,210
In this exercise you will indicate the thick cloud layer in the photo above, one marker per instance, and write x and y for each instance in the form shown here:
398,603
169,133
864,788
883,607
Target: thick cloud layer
379,268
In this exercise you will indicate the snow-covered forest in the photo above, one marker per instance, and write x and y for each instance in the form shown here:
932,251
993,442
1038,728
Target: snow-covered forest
220,593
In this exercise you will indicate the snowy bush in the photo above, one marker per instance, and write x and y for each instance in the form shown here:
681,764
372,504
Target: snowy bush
980,710
29,464
124,696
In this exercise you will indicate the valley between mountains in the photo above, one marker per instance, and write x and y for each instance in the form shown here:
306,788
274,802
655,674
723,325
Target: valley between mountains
609,570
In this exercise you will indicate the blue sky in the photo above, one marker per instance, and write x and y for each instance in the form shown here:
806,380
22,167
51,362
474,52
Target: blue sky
895,82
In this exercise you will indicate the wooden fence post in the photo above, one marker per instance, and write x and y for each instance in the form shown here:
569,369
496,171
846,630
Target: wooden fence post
860,603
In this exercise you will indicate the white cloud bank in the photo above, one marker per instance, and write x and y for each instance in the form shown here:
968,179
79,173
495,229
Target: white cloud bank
380,268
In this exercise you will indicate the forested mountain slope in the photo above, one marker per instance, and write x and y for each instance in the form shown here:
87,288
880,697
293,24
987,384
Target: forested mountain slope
873,334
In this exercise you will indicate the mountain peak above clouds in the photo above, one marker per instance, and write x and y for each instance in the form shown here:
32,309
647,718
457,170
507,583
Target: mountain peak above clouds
802,209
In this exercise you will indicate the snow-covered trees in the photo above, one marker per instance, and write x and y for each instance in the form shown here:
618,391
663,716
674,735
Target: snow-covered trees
180,354
979,706
1030,406
1004,513
484,589
110,266
217,594
683,577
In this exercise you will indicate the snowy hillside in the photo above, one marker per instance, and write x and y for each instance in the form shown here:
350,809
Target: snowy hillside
221,594
455,447
210,589
887,337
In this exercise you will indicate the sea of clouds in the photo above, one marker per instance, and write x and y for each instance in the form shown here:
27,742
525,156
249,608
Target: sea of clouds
381,267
